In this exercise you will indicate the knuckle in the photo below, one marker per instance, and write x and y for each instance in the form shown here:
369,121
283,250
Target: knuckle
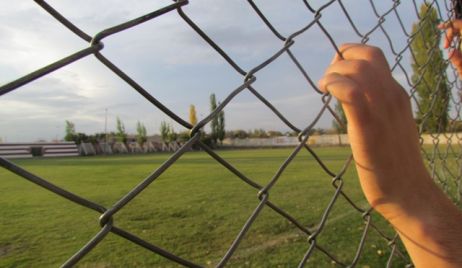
374,52
344,47
361,67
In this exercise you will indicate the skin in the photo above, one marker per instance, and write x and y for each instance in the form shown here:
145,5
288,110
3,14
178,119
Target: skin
385,145
453,30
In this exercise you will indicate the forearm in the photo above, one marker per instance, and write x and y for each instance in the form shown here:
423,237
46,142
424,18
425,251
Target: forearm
384,141
429,224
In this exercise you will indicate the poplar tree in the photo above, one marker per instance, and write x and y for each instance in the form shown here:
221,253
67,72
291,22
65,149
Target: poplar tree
192,115
340,127
221,126
141,133
164,131
70,131
429,72
214,122
121,135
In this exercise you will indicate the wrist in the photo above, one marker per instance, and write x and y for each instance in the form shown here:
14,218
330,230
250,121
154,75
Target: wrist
395,191
413,201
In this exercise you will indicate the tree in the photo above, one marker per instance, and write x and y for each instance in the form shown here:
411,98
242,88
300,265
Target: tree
429,72
319,131
183,136
340,127
237,134
78,138
121,135
274,133
221,126
192,115
172,136
167,133
258,133
291,133
214,122
70,131
141,133
164,131
207,140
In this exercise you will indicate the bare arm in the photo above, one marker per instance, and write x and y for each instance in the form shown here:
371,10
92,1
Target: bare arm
384,141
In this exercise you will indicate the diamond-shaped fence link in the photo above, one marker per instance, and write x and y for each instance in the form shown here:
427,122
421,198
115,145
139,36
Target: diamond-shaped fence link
444,160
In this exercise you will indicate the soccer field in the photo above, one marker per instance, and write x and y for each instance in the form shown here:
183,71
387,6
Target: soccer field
195,210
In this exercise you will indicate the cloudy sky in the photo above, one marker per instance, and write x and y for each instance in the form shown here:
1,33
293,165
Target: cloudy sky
173,63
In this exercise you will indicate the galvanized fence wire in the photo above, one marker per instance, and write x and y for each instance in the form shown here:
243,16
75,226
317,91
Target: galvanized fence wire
437,156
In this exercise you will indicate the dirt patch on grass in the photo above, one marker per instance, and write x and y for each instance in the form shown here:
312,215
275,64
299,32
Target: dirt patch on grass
5,250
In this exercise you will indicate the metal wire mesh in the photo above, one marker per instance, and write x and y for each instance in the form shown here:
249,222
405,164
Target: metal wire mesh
438,156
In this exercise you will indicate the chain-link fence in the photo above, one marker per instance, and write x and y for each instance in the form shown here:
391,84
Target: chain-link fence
443,153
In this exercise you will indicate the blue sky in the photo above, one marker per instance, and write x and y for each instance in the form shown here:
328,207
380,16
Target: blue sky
172,62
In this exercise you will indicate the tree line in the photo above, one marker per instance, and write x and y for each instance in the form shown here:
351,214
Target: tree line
217,126
120,135
167,132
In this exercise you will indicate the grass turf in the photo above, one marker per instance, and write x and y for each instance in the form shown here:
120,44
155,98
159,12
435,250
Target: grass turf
195,210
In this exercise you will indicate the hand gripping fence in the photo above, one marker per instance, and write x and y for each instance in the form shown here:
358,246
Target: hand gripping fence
436,157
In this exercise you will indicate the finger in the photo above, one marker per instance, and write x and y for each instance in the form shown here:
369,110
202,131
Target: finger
349,94
361,71
453,29
448,37
456,58
339,55
371,54
443,26
345,89
454,24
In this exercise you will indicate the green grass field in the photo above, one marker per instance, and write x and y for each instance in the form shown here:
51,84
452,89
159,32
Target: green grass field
195,210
